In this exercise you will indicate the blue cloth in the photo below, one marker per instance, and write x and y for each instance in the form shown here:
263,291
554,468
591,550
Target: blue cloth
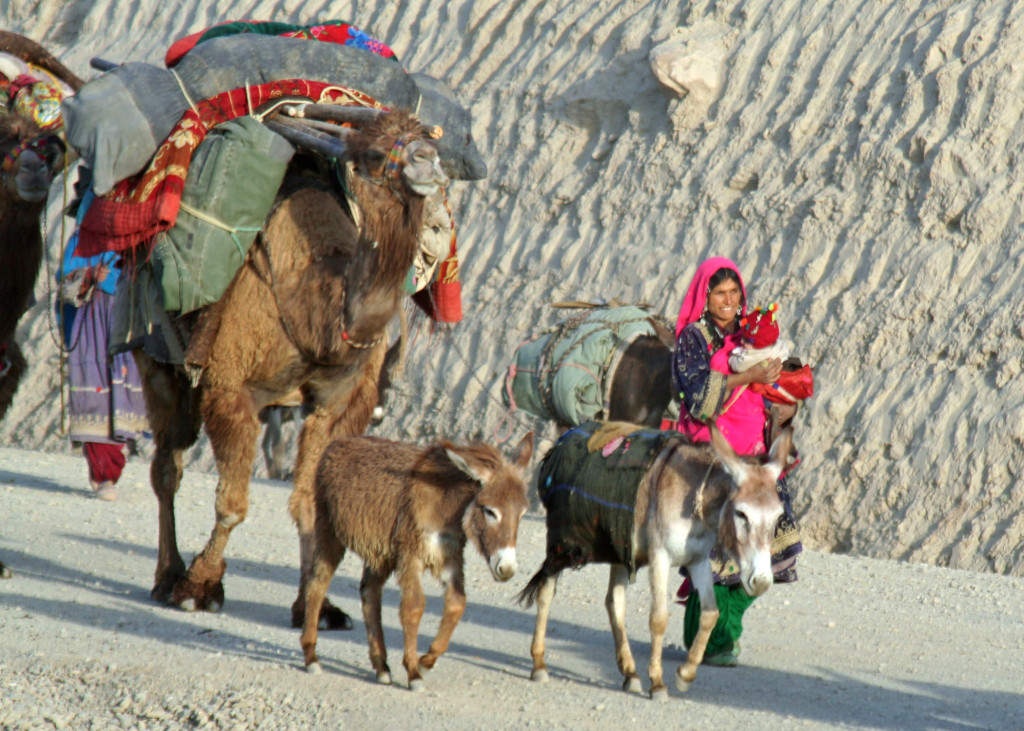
72,262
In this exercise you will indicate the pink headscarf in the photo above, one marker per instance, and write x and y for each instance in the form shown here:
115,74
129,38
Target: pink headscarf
697,295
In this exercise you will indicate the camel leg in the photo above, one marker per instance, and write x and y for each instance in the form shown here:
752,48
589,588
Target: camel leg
615,603
658,568
544,598
12,367
410,613
325,563
454,607
371,591
345,413
273,444
173,412
703,583
233,428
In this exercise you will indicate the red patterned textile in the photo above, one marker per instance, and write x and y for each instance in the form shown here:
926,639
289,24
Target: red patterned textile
331,31
139,208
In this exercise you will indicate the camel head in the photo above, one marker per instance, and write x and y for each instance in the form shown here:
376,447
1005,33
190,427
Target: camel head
30,159
397,149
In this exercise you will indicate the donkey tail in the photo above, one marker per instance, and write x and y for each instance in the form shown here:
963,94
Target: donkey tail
528,596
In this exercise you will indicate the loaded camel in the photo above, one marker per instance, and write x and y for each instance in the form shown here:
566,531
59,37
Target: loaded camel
405,510
30,160
688,499
308,310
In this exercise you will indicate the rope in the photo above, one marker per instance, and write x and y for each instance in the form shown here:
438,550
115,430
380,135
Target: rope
232,230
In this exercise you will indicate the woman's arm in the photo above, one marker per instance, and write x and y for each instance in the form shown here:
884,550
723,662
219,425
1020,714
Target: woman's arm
701,389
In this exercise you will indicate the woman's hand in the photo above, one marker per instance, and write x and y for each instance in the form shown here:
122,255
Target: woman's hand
767,371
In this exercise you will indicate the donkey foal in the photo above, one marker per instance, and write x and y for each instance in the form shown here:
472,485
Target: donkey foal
409,509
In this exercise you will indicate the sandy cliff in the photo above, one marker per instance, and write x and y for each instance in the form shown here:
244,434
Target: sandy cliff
861,162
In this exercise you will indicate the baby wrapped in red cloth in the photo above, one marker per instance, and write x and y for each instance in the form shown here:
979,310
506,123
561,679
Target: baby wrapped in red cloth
760,333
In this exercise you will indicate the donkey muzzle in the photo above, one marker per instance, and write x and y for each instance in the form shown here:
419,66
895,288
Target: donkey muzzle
503,564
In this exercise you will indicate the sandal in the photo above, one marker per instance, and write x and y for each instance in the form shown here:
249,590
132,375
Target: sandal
725,659
105,491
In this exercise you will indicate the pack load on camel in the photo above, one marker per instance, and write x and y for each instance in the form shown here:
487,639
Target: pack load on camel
585,368
32,153
270,196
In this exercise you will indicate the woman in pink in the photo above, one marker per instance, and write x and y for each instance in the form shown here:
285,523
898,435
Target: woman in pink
706,332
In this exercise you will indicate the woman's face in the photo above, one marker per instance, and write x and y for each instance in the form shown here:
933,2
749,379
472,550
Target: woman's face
724,303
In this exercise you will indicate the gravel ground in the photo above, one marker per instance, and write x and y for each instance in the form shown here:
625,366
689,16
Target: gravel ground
856,643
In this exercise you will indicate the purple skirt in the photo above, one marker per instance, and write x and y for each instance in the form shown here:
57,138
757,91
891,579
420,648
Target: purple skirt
106,402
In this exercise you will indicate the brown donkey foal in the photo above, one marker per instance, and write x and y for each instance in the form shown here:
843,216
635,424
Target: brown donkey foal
411,509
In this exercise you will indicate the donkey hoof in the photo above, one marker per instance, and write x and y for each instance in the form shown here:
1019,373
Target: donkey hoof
633,685
187,605
682,685
540,675
314,668
384,678
659,694
417,685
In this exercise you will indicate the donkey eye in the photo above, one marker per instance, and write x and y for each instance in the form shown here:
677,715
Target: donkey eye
491,514
742,517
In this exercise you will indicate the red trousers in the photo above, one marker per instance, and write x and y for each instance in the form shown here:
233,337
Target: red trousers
105,461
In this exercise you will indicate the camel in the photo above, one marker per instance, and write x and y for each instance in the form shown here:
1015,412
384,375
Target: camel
308,310
31,159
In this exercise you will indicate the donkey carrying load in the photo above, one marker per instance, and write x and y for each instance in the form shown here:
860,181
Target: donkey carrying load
408,509
668,504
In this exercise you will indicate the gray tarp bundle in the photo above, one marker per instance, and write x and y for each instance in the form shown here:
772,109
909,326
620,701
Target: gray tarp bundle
566,372
117,121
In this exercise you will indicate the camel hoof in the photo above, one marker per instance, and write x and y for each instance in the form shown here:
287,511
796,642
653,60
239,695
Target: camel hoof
214,606
633,685
540,675
333,618
659,694
384,678
417,685
187,605
314,668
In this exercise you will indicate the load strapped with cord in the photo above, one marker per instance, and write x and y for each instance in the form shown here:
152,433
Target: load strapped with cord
186,161
566,372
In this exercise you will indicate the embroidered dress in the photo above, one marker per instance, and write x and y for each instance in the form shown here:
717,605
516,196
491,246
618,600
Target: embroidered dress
700,367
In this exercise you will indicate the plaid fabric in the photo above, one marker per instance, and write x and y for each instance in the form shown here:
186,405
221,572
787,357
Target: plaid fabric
139,208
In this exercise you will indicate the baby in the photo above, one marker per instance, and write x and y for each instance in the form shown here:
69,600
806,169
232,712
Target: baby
759,331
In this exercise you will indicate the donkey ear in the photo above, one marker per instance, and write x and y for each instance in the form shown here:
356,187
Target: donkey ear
459,461
523,452
779,453
733,464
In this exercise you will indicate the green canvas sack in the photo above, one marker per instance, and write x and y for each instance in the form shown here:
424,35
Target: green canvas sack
232,180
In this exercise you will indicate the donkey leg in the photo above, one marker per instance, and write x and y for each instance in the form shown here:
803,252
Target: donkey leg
658,568
545,596
703,583
325,563
410,612
454,607
172,408
371,591
615,603
233,428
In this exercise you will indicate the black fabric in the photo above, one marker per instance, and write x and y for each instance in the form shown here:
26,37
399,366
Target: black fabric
590,497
